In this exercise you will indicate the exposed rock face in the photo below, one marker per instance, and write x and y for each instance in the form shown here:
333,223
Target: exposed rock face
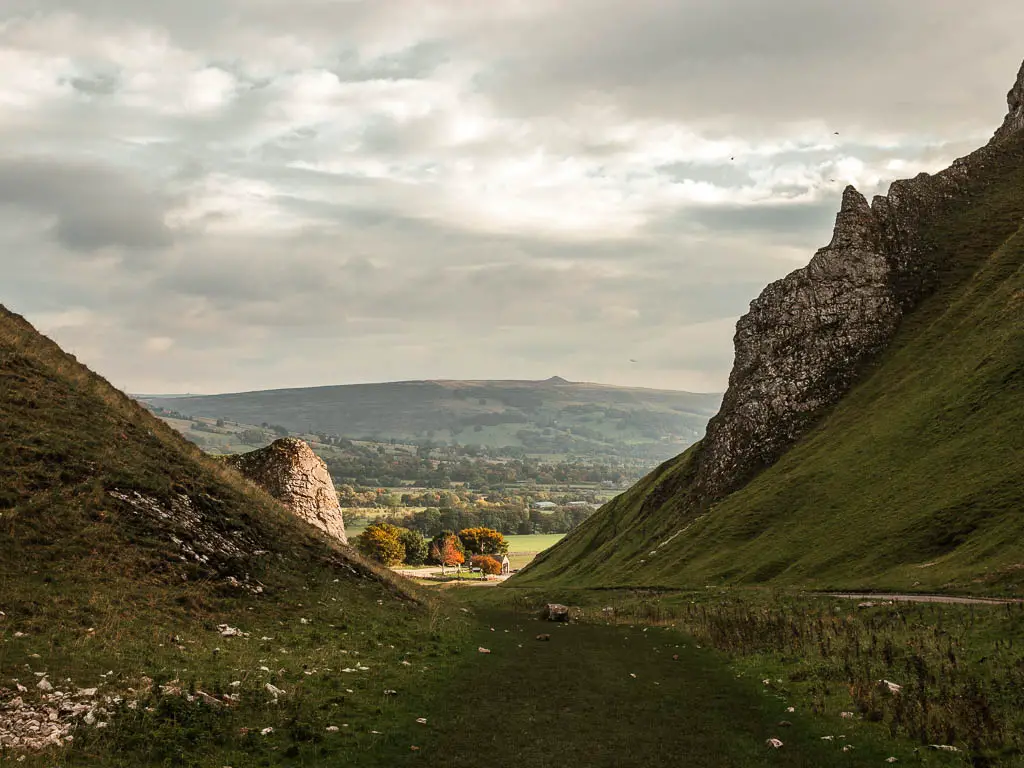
1014,121
807,336
289,471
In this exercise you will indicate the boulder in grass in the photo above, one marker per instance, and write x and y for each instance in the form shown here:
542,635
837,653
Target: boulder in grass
555,612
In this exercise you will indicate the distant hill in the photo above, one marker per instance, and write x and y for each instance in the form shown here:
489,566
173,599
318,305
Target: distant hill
873,431
553,416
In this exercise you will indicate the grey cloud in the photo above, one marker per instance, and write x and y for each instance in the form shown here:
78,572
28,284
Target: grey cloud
94,206
368,285
798,223
747,66
96,85
416,62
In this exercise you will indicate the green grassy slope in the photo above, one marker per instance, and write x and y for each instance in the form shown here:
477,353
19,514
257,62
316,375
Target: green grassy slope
911,482
555,413
75,452
122,548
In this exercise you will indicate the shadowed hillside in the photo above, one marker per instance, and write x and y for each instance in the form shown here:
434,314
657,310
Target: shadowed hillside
87,474
145,587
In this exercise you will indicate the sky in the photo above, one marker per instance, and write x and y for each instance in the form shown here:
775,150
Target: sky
227,195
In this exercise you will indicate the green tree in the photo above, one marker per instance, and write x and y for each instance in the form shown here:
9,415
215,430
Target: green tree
382,542
416,549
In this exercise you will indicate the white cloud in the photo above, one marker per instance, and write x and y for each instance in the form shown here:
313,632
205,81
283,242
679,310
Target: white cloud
259,193
159,343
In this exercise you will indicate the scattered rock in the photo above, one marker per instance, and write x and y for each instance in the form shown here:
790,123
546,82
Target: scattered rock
555,612
892,687
544,637
229,631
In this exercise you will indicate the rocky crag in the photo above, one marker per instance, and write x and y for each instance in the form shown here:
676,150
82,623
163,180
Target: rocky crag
289,471
871,431
808,336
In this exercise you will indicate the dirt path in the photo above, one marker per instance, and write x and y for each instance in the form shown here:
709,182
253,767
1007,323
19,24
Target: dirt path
435,570
911,598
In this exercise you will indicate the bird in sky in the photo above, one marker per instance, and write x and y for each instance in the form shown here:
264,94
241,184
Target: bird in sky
632,360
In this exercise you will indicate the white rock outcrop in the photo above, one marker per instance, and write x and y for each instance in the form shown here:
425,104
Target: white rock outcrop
289,471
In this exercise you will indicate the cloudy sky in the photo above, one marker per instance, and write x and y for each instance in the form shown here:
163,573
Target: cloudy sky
223,195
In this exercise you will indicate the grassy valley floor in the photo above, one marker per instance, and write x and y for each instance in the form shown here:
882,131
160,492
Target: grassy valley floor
694,680
615,696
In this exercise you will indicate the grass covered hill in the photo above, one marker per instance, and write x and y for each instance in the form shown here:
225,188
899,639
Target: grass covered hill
88,476
911,482
551,416
156,609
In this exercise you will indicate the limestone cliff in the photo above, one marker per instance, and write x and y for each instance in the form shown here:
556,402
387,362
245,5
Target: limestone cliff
289,471
807,336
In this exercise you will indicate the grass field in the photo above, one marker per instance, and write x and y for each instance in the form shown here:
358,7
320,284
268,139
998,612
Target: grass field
533,543
522,549
958,669
634,693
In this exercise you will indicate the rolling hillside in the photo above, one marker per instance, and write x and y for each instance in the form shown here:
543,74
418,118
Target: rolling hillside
553,416
137,578
911,481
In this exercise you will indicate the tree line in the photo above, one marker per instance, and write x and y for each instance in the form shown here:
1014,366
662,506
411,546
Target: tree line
390,545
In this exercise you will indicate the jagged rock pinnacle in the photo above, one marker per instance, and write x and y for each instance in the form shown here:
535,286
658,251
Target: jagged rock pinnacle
1014,122
807,336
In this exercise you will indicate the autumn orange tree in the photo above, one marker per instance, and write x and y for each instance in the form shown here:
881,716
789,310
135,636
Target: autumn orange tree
486,563
483,541
446,550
